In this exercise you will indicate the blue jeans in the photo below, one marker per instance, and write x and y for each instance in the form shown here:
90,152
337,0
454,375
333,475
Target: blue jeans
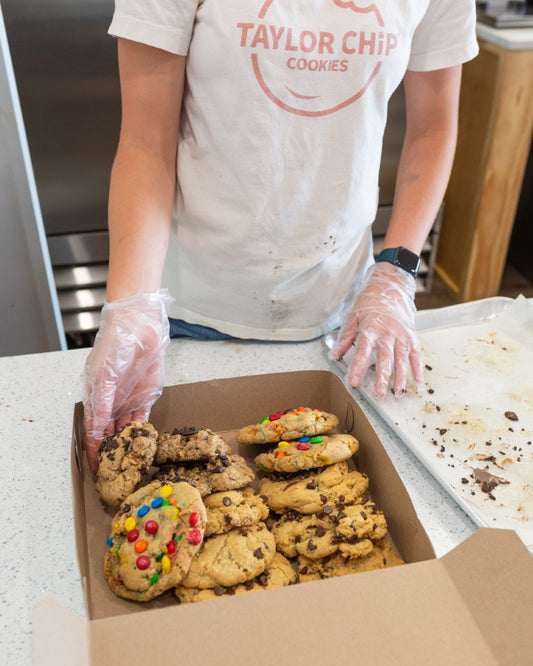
182,329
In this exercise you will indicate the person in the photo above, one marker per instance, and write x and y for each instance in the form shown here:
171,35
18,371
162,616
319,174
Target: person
245,182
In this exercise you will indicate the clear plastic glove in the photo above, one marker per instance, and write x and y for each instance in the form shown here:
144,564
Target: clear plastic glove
124,371
381,325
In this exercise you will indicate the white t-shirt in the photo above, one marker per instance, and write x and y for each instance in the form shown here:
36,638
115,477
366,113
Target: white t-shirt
280,144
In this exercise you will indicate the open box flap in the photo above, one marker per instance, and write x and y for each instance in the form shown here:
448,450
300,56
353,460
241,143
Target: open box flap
407,615
502,575
60,637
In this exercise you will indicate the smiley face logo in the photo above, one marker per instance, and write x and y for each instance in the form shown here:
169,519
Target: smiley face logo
317,65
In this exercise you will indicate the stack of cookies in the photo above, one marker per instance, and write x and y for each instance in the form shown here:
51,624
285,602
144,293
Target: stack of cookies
228,548
195,518
321,517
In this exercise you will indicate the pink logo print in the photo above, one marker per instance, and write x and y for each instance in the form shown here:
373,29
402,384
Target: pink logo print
315,71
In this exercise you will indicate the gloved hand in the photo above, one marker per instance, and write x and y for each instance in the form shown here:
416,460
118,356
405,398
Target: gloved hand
124,371
382,319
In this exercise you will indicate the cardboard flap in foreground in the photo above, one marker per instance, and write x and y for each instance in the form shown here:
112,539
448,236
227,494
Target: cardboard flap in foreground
59,636
402,616
493,581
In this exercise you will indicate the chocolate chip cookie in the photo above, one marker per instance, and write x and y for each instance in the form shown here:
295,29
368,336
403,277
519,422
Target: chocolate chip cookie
234,508
154,537
310,492
288,424
232,558
220,473
380,557
189,444
123,460
279,573
308,453
349,530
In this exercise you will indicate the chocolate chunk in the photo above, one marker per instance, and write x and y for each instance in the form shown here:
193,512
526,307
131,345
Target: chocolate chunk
320,531
226,501
219,590
186,431
487,481
258,554
311,545
262,579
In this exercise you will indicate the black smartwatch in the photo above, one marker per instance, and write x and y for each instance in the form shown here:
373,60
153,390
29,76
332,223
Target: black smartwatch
401,257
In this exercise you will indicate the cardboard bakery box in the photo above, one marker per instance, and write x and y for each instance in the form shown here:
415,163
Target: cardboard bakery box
472,606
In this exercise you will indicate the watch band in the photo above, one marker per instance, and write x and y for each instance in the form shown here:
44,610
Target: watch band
401,257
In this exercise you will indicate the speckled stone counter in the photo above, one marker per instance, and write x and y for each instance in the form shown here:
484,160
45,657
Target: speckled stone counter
37,395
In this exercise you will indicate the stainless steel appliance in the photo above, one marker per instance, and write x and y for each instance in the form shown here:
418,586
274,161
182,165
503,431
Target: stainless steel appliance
66,72
506,13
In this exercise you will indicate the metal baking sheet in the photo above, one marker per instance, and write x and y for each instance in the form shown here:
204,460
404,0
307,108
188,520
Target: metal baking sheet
471,421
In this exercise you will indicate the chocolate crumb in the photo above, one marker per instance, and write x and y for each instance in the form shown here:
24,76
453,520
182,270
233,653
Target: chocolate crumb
511,416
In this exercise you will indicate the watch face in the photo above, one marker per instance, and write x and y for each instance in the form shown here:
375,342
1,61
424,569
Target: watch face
407,260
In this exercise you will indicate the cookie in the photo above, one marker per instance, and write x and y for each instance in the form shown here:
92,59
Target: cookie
232,558
307,453
288,424
234,508
189,444
349,530
220,473
279,573
311,491
123,460
382,556
154,538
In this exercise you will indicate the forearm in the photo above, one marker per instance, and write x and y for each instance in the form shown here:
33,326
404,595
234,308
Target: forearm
140,213
432,100
422,178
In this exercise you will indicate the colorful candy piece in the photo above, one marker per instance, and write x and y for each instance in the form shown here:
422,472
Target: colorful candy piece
110,542
142,562
194,537
132,535
303,446
315,440
140,546
166,492
276,415
283,444
151,526
166,564
129,523
143,510
156,503
194,518
171,548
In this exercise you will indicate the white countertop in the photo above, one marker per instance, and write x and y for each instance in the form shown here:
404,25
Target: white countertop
513,39
37,395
